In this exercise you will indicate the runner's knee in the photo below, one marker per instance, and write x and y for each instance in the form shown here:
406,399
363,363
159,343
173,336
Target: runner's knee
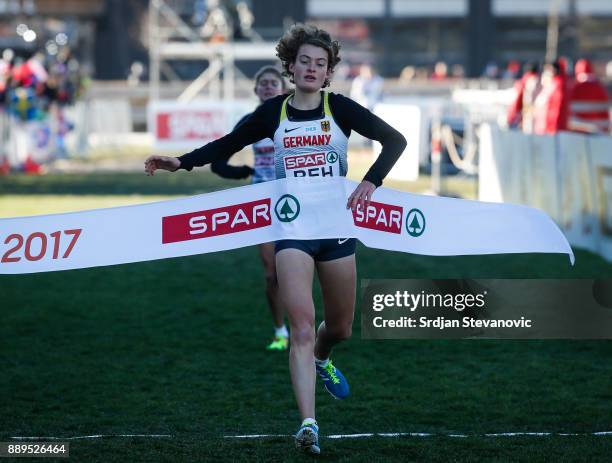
302,335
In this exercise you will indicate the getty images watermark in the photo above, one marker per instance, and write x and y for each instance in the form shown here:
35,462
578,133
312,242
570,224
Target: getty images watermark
511,309
458,302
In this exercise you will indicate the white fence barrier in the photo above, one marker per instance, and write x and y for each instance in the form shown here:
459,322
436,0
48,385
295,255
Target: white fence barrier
567,175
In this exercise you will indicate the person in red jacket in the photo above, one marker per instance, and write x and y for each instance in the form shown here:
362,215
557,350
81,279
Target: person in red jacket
552,104
519,111
589,107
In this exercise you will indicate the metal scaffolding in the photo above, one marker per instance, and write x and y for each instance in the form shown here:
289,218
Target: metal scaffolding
171,38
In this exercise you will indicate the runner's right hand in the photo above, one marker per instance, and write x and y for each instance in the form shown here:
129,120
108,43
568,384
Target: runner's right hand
152,163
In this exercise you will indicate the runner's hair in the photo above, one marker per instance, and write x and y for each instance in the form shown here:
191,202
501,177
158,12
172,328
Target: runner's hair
304,34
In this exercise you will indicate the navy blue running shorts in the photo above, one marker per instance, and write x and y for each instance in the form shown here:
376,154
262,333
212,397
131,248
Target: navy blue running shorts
320,250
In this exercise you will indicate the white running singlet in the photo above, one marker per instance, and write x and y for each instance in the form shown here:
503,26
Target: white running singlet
312,148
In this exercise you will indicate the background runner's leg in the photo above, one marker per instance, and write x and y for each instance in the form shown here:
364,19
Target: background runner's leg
266,252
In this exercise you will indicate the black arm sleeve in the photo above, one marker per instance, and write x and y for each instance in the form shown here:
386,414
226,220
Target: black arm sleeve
352,116
223,169
256,127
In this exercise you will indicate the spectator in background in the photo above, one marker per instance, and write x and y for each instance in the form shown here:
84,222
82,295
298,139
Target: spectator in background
589,107
491,70
408,74
366,90
199,12
457,71
421,73
21,96
512,70
531,91
440,71
566,68
36,92
367,87
136,74
218,26
245,22
520,112
342,72
551,108
30,73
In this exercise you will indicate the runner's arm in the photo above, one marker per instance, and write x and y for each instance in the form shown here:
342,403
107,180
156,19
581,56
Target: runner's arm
222,168
352,116
254,128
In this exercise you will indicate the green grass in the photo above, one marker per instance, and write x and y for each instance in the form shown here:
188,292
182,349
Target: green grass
176,347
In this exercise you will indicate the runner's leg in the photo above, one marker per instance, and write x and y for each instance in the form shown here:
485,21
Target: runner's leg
295,270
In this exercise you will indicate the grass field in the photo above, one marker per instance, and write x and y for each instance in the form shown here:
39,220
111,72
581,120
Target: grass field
175,347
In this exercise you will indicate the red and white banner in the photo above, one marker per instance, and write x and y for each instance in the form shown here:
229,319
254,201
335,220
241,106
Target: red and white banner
287,208
184,126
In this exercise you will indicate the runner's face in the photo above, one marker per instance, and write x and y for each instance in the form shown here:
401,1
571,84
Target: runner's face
310,68
268,86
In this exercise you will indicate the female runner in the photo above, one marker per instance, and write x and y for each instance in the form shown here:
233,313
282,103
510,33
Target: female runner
308,56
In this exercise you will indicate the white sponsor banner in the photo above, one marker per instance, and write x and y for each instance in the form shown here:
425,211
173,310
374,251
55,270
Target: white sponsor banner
270,211
185,126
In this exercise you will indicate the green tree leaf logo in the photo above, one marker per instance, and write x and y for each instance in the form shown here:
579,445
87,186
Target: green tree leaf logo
415,223
287,208
332,157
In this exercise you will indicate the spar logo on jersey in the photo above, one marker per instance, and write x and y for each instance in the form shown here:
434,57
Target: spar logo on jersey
306,140
287,208
234,218
332,157
415,222
310,165
379,216
301,161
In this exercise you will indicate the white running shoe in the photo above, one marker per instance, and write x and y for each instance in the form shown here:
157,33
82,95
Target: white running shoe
307,437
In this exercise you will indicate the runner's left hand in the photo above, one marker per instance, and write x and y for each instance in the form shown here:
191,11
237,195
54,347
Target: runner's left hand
361,195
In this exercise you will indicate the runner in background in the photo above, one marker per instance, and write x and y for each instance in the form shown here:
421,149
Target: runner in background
269,83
